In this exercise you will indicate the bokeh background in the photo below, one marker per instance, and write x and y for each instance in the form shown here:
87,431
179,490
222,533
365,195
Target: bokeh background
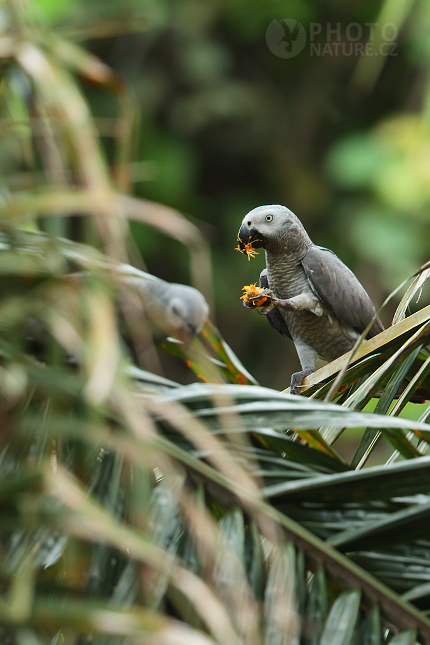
226,125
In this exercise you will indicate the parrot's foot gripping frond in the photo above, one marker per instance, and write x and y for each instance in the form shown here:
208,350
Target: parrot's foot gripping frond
297,380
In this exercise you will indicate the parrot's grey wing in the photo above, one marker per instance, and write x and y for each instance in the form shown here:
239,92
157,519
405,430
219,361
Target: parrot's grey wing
338,288
274,316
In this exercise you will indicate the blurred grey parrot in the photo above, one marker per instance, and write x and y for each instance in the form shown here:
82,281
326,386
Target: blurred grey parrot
177,309
313,297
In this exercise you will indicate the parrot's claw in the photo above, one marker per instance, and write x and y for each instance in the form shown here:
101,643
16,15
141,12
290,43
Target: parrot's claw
274,301
297,380
267,292
265,310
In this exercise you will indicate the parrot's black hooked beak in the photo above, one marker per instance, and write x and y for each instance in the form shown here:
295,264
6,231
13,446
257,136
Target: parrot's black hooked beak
249,235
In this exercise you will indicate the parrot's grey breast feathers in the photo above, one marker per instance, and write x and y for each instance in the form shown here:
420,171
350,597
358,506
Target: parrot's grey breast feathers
338,288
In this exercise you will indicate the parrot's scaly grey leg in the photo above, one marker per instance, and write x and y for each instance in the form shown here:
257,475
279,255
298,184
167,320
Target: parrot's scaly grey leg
302,302
308,357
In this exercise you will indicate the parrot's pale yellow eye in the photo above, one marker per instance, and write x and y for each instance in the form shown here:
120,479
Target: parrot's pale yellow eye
269,218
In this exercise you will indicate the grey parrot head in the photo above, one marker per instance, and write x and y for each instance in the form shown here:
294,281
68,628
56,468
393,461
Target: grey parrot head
272,227
176,309
186,311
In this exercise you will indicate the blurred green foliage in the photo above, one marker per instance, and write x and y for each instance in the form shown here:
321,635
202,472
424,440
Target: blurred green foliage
225,125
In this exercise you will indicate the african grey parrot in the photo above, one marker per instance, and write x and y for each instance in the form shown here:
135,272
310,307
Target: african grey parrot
177,309
314,298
